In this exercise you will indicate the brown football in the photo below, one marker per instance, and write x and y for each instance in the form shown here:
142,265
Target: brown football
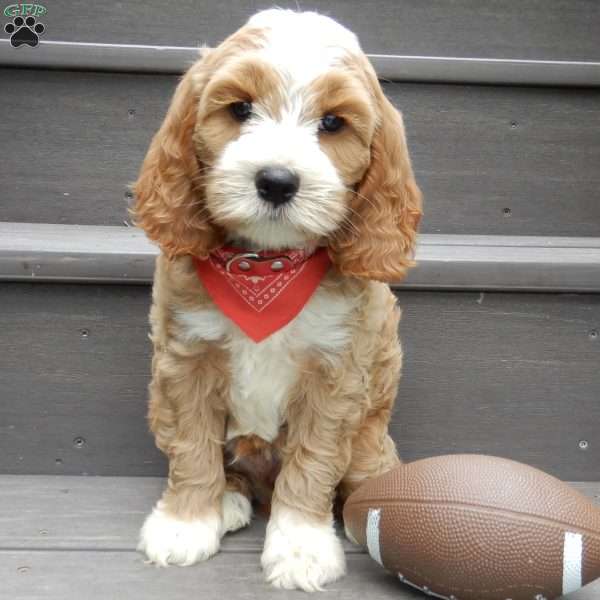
473,527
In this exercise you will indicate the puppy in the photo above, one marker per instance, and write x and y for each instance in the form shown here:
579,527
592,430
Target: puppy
280,191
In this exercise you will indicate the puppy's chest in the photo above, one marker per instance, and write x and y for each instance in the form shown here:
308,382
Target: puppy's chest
263,374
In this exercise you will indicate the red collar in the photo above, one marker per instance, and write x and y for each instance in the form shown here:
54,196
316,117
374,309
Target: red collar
262,291
259,263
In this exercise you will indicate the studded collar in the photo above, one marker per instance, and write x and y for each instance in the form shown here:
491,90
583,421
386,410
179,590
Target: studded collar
260,263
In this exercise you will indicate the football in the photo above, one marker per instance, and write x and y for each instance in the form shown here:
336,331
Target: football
473,527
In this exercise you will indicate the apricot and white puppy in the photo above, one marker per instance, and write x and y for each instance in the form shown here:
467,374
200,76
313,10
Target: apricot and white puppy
280,138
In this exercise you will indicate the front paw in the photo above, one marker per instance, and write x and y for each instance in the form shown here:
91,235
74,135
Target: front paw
301,554
167,540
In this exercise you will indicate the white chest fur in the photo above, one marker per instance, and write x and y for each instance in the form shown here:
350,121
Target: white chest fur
262,374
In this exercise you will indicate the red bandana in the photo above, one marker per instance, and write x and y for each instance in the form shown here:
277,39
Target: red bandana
261,292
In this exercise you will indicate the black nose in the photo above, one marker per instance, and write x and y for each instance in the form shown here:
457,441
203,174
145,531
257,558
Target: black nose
276,185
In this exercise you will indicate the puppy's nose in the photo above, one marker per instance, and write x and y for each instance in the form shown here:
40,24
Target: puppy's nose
276,185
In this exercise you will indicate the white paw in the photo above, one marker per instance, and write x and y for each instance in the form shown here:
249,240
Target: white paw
167,540
301,554
237,511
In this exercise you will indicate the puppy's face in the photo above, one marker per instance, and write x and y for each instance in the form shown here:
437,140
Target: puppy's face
282,137
286,129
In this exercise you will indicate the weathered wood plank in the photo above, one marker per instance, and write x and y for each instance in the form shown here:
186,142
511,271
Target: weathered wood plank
82,147
77,356
490,160
60,534
46,575
513,375
79,513
508,374
138,58
40,252
500,160
56,512
536,29
99,513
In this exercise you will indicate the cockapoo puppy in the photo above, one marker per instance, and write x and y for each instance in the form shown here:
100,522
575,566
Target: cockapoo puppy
280,191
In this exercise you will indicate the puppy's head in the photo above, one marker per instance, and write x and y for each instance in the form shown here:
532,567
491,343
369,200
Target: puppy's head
282,137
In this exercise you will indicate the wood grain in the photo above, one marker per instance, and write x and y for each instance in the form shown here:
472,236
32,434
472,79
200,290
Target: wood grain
513,375
110,575
509,374
490,160
53,513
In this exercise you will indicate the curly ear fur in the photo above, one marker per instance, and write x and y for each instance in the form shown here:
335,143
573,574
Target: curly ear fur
385,209
169,192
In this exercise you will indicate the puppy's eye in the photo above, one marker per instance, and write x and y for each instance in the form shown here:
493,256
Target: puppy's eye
241,111
331,123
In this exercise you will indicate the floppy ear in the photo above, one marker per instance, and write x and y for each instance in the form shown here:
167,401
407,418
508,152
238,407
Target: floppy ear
169,192
385,209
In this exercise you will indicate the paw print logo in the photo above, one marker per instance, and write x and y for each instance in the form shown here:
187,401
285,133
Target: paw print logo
24,31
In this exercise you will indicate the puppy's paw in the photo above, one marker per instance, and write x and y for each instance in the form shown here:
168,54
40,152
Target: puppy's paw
167,540
301,554
237,511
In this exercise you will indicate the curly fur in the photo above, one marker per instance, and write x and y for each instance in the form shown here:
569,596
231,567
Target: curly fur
335,368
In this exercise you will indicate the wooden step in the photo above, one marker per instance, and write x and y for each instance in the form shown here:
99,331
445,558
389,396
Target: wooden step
65,534
512,374
57,527
486,369
140,58
72,253
494,160
536,29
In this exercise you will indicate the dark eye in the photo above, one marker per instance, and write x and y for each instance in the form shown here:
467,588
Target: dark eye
241,111
331,123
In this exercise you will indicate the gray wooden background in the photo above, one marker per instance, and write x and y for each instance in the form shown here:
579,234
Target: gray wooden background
509,374
490,160
512,374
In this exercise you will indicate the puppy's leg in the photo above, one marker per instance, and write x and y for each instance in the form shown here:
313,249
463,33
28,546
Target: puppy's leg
301,547
373,450
187,416
237,503
373,453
